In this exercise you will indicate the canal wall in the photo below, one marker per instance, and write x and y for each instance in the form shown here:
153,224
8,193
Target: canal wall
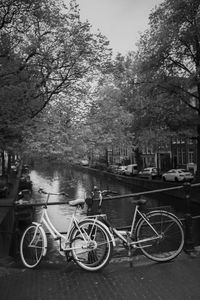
144,184
6,229
10,215
7,217
190,220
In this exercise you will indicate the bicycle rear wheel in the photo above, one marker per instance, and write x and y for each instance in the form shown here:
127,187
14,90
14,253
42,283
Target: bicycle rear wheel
91,245
32,246
171,236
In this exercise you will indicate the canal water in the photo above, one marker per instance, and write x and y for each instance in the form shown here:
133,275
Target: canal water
78,183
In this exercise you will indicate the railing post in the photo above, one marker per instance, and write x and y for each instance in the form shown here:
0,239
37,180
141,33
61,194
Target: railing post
189,243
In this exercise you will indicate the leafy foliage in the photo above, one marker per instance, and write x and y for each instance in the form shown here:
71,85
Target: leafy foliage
168,61
45,52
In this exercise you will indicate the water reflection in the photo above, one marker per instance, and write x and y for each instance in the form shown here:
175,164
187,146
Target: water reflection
54,181
77,183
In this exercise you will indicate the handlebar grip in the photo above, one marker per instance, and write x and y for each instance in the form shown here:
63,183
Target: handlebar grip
64,194
41,191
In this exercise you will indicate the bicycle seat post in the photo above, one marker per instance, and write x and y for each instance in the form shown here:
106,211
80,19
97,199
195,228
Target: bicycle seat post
47,200
100,202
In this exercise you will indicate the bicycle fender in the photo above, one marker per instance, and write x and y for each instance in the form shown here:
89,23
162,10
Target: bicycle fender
105,228
166,212
44,236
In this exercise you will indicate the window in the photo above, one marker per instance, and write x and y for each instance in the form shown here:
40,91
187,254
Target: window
190,156
179,156
184,157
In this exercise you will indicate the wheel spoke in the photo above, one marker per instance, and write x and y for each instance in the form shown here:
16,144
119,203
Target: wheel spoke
171,240
32,246
92,253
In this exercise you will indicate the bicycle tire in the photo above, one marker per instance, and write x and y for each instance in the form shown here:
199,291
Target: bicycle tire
31,255
172,236
94,254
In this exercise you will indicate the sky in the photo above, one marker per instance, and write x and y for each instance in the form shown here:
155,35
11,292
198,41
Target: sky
120,21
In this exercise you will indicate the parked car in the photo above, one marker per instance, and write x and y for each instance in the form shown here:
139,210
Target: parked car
150,171
99,165
113,168
131,170
121,170
177,175
84,162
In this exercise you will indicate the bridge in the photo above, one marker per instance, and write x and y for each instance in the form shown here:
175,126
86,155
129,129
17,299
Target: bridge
10,213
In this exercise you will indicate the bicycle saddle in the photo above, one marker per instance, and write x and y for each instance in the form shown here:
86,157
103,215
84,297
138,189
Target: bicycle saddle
140,201
76,202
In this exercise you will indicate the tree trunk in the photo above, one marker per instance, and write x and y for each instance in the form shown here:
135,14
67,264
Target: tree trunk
3,163
9,163
198,154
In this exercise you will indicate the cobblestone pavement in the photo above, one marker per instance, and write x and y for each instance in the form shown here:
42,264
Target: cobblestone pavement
178,279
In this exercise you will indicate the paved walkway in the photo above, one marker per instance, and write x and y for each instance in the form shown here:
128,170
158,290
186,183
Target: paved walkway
179,279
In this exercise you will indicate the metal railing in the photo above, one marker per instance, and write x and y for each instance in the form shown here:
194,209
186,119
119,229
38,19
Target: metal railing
186,187
188,219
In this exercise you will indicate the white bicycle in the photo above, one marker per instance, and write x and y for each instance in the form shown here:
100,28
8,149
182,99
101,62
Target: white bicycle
88,242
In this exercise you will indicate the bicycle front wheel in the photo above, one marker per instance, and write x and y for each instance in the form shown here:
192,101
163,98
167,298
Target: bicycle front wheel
164,238
91,245
32,246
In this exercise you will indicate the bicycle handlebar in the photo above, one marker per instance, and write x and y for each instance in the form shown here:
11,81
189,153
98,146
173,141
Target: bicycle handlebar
41,191
105,192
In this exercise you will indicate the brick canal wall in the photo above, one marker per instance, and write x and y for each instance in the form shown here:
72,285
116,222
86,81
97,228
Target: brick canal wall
6,230
7,217
10,216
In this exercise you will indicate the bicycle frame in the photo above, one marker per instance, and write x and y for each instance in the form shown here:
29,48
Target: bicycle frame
45,220
124,235
121,234
87,242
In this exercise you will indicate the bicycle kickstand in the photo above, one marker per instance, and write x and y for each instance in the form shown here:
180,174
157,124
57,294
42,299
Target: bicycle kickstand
130,256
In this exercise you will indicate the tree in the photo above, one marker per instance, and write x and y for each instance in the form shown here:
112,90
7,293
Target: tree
46,53
168,61
107,121
48,134
123,70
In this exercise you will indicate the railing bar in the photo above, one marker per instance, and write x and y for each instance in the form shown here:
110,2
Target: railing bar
106,198
32,204
195,217
149,192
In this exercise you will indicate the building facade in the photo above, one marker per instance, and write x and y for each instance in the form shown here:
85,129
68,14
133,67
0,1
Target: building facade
184,153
